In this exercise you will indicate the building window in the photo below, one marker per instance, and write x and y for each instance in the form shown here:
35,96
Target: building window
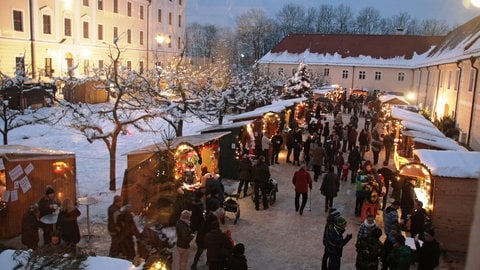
378,75
449,79
141,37
17,20
129,36
170,18
115,33
129,65
47,27
141,12
169,41
344,74
85,3
471,80
179,20
294,71
180,2
100,64
67,25
141,67
457,78
401,76
86,66
159,16
361,75
100,4
100,32
85,29
129,9
179,43
115,6
280,71
48,67
326,72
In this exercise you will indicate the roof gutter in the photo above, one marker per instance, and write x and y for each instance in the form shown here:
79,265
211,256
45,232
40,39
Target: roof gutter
472,110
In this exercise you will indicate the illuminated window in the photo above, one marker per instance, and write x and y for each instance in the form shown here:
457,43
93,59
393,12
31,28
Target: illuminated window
169,41
17,20
48,67
86,66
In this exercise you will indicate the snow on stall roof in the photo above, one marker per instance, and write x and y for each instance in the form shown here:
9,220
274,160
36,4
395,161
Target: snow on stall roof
276,107
195,140
13,152
402,114
421,127
455,164
226,126
387,98
442,143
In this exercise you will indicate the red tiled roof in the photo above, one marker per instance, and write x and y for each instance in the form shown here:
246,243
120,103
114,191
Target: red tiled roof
376,46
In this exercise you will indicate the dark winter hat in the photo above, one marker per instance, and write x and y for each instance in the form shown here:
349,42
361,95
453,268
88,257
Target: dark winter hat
430,231
49,190
239,249
341,222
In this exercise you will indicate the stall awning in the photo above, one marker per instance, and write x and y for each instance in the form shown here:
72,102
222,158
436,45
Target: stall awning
194,140
444,143
226,126
15,152
432,130
276,107
455,164
401,114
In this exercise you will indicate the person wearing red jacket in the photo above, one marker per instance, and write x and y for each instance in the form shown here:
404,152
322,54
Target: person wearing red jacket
302,181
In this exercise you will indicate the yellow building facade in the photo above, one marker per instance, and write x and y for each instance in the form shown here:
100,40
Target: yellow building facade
51,38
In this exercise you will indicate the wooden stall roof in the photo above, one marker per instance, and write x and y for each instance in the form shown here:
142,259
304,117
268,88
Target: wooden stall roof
393,99
276,107
435,141
226,126
423,128
448,163
402,114
195,140
15,152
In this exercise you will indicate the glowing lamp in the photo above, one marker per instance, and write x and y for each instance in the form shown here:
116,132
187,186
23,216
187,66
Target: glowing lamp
59,167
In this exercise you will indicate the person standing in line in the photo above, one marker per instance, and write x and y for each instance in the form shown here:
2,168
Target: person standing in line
390,217
367,226
302,182
266,147
184,237
339,162
113,227
388,145
401,255
276,143
200,238
417,220
318,155
47,205
369,249
245,175
407,201
388,179
363,142
290,145
428,254
334,242
30,225
376,148
261,175
67,222
219,247
330,187
352,138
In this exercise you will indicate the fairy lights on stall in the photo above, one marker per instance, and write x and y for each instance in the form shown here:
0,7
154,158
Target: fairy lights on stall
423,188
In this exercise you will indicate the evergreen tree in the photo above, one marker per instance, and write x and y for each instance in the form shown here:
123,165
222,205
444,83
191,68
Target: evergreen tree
299,85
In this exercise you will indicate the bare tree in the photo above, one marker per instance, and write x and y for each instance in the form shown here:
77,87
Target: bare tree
368,21
343,19
434,27
291,19
326,19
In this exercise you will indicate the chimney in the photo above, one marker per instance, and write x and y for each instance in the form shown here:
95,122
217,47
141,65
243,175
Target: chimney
399,31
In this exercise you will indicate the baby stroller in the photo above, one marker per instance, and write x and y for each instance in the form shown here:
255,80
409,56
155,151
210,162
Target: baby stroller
272,189
231,205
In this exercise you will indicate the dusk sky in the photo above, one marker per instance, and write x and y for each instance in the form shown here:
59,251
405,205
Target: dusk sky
224,12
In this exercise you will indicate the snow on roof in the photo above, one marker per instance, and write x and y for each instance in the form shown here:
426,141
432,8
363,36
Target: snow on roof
226,126
276,107
195,140
423,128
402,114
392,98
322,91
455,164
13,152
442,143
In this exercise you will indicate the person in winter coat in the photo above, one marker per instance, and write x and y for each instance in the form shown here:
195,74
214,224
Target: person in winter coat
112,225
367,227
238,261
417,220
352,138
218,248
407,201
334,242
302,181
297,148
339,162
376,148
326,132
317,155
184,237
389,243
401,256
200,238
67,222
198,218
388,145
245,175
47,205
388,179
372,188
428,254
355,161
330,187
128,229
30,225
369,249
261,175
266,147
363,142
290,145
276,142
390,217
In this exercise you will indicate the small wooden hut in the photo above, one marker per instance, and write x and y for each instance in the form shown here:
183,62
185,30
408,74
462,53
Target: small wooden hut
448,188
87,92
25,172
156,172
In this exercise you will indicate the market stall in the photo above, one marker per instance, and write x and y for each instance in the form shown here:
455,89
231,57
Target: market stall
447,185
24,173
156,172
240,140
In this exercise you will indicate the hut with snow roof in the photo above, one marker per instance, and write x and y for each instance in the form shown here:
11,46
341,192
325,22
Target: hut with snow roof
24,173
156,173
446,183
86,92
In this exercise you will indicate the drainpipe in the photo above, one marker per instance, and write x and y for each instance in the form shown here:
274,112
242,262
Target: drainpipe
434,109
148,31
459,66
420,70
470,124
32,39
426,87
353,79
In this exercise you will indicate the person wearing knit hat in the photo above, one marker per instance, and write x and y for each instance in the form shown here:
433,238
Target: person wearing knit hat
47,205
334,242
238,259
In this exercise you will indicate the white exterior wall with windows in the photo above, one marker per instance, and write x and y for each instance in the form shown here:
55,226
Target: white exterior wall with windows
68,33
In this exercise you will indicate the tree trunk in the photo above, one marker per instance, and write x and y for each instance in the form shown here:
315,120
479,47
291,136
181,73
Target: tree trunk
113,161
179,130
